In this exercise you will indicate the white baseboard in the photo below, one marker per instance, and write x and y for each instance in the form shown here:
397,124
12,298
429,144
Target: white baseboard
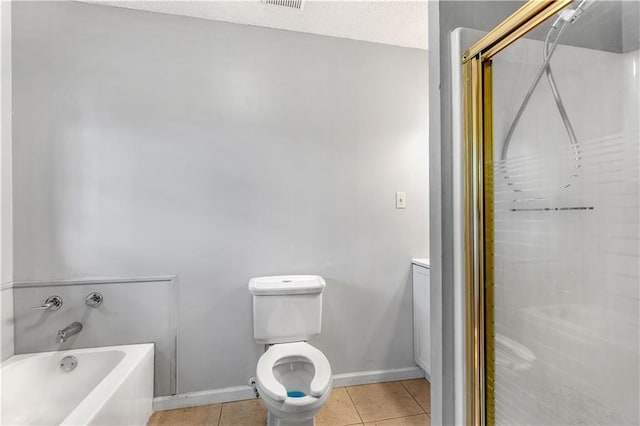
376,376
193,399
238,393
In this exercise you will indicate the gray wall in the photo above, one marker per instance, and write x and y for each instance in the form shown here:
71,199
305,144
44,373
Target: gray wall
6,218
630,28
149,144
6,323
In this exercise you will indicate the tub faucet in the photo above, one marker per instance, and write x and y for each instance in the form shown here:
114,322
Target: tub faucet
73,328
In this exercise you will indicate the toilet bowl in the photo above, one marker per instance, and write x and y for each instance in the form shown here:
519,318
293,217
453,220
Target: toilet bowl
294,381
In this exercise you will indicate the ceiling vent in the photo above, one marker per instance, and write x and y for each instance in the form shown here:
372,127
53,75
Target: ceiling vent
291,4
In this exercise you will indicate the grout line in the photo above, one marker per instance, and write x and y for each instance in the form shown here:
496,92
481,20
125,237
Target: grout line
354,404
221,408
220,415
400,417
414,398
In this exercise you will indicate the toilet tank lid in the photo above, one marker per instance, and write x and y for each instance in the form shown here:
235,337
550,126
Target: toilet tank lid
286,284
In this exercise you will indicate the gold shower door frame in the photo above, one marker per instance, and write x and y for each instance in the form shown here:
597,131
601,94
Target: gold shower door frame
478,204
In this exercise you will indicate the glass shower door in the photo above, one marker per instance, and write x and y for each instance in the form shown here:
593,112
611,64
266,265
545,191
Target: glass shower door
563,347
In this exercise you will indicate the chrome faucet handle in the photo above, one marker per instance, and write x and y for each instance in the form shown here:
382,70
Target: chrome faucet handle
94,299
52,303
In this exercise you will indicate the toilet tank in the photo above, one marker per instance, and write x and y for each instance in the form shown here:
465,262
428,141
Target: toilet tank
286,308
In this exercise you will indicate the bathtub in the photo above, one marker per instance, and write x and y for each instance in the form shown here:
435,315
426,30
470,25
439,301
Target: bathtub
110,385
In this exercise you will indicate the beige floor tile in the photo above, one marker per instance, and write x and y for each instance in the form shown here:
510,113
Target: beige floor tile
382,401
420,389
244,413
338,411
193,416
419,420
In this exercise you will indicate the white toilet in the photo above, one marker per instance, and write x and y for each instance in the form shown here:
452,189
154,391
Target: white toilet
293,378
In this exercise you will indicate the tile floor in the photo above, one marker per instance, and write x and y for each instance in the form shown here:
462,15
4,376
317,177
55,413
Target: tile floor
404,403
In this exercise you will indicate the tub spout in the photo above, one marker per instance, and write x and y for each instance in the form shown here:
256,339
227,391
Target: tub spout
73,328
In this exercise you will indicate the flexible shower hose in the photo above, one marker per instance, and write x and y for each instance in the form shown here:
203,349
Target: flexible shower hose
549,48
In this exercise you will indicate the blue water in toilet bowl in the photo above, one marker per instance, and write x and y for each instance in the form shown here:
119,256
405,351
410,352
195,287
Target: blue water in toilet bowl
295,394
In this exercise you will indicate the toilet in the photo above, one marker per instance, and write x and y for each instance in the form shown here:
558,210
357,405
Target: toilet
292,377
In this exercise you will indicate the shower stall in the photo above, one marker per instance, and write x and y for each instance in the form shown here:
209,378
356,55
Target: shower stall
552,216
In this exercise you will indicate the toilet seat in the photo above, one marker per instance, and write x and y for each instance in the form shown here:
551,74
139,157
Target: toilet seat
273,388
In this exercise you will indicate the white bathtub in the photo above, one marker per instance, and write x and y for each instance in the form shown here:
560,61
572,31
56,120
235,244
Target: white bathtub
110,386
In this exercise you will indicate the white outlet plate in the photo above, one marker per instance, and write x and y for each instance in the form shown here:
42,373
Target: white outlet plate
401,200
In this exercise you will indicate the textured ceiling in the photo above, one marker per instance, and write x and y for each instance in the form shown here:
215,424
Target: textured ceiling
401,23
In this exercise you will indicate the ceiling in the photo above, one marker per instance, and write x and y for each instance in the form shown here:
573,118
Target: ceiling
399,23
